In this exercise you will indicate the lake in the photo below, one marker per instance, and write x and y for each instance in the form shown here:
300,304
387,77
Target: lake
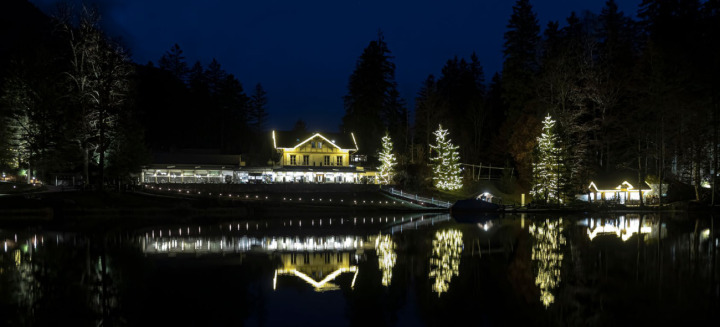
374,270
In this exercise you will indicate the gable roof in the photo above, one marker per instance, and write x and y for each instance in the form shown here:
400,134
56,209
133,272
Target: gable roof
291,139
183,158
611,180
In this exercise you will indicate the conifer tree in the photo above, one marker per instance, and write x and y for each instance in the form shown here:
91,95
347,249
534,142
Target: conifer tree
258,107
547,168
387,161
372,103
520,52
174,62
446,165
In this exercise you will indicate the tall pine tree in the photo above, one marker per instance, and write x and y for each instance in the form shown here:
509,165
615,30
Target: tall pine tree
520,52
446,163
372,103
258,107
387,161
547,168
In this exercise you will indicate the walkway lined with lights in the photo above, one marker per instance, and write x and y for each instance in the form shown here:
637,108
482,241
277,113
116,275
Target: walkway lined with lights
299,199
414,197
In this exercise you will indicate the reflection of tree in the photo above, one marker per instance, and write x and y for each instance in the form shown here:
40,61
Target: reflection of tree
547,253
445,259
385,248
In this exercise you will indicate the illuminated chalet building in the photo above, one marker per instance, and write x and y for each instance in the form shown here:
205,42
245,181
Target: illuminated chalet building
301,157
319,158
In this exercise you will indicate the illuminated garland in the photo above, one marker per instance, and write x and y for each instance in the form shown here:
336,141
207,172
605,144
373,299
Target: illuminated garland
387,161
446,166
546,168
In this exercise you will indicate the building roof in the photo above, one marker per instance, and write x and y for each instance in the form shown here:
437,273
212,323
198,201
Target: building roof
197,159
612,179
290,139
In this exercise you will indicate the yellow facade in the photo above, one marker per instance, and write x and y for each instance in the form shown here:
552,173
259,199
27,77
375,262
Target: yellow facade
318,159
316,151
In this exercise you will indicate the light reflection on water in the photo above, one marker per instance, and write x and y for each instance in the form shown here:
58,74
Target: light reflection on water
564,265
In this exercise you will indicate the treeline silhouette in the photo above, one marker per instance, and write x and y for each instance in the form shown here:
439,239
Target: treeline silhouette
635,92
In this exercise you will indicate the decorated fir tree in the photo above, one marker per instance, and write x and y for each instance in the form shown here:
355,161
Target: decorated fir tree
446,165
547,166
387,161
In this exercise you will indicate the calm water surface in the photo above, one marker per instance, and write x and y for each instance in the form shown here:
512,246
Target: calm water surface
375,270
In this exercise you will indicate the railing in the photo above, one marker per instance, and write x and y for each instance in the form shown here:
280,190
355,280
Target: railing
409,196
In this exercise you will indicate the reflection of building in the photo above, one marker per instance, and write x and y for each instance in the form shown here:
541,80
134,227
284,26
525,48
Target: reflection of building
318,269
316,260
547,253
623,227
445,259
196,244
385,248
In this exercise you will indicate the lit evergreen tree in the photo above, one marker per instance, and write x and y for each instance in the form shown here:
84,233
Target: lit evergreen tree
547,165
387,161
446,166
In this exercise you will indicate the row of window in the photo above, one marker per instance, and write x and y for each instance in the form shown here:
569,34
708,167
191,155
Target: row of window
306,257
306,160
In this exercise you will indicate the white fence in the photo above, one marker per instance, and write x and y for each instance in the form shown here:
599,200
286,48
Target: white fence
409,196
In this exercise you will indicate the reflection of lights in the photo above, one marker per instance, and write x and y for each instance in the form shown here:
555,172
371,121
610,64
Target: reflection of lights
622,228
486,225
445,259
275,281
705,234
547,253
385,248
321,285
352,285
18,258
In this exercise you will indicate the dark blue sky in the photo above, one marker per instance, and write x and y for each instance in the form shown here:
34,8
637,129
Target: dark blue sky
304,51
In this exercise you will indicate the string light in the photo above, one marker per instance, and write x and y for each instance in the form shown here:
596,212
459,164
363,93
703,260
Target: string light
386,171
446,165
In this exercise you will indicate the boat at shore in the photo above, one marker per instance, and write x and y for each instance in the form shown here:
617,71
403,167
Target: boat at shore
474,205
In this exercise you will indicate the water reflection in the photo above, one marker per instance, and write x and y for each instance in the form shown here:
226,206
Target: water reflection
624,227
385,248
258,271
445,259
310,267
547,253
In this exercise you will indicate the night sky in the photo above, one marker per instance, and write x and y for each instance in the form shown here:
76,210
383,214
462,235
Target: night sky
304,51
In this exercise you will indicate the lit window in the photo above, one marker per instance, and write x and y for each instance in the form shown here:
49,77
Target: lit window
293,160
319,145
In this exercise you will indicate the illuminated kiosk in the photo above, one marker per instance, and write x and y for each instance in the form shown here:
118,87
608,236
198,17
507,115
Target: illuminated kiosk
318,158
621,187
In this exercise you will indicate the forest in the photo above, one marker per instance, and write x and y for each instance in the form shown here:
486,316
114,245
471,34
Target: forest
628,91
